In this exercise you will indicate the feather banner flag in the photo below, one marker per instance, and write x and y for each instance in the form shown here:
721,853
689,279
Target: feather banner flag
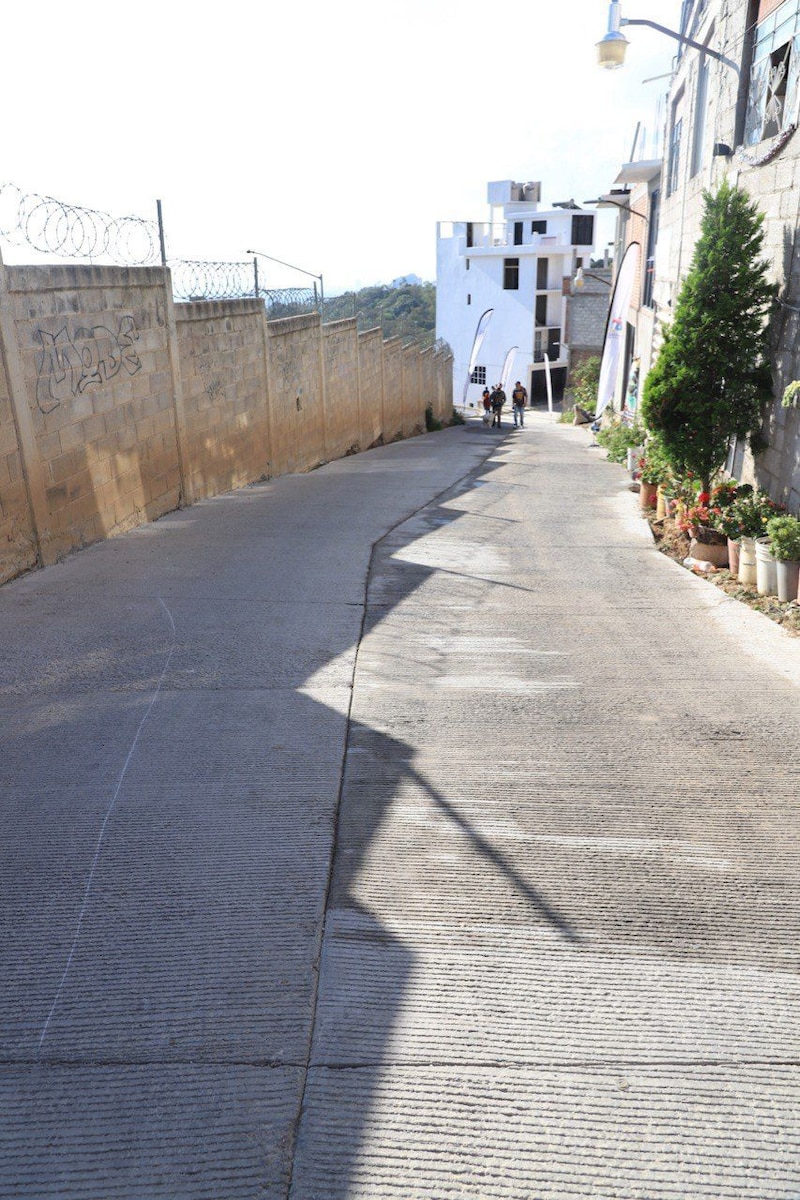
480,334
614,342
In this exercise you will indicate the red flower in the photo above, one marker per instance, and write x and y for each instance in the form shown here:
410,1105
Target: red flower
704,498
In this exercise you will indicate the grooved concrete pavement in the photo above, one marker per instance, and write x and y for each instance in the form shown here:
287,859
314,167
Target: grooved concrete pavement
486,888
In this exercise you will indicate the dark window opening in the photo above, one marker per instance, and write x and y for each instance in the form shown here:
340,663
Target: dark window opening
650,261
511,274
518,233
538,226
541,310
542,272
583,230
469,233
469,298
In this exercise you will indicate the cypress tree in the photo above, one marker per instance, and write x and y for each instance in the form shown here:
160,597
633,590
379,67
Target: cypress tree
711,378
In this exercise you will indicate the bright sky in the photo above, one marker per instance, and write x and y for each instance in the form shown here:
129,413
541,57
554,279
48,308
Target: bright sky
330,135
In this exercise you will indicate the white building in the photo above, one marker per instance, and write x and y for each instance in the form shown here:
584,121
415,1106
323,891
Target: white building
520,264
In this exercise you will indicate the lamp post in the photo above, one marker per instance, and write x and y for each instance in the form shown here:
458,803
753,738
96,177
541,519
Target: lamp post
291,266
581,276
611,48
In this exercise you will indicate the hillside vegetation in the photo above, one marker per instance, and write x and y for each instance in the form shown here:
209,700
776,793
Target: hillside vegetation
407,312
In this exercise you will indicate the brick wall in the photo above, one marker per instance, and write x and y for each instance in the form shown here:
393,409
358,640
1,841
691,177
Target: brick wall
125,405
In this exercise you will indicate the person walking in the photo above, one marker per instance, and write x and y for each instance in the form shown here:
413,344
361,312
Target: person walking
498,399
519,398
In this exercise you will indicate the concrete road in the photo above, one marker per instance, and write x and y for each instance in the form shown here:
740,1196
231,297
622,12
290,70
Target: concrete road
410,828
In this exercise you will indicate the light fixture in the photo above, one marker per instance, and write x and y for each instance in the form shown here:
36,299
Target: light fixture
581,276
611,48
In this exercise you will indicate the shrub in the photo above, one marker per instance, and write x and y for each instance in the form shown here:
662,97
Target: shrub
618,439
784,536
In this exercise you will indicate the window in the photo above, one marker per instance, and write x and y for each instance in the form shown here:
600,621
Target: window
469,233
546,341
583,230
467,264
674,146
542,271
469,297
511,274
541,310
518,233
478,376
772,102
700,116
650,261
538,226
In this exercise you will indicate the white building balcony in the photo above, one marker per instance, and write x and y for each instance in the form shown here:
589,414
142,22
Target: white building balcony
487,238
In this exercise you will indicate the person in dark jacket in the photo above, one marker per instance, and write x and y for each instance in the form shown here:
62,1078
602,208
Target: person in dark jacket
498,399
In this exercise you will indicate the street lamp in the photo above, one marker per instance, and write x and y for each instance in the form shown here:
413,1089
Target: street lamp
291,266
611,48
581,276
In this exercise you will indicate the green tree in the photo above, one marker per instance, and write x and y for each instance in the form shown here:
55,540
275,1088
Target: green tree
407,311
711,378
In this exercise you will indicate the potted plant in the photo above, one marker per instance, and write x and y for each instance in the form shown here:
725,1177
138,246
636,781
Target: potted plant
725,520
708,544
784,536
654,470
745,520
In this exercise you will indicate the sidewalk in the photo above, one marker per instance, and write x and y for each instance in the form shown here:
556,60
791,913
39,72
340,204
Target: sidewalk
535,805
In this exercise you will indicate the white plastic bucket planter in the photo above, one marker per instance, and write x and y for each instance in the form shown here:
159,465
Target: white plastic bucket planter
747,561
788,580
634,453
766,569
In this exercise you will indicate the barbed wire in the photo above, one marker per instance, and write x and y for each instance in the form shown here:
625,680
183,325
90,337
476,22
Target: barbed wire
194,279
54,227
289,302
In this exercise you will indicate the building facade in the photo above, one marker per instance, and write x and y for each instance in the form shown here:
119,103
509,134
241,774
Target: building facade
518,267
732,113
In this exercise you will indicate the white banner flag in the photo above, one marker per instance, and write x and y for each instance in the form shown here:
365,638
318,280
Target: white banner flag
614,344
480,334
506,375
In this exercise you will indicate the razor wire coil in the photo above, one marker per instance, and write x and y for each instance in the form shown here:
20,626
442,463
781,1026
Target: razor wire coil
54,227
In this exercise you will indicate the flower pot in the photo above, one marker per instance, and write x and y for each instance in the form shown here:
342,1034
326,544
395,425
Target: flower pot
647,494
788,573
710,552
661,504
747,561
733,557
766,569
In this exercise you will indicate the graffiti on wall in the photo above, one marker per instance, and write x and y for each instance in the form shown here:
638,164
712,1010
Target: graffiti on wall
70,363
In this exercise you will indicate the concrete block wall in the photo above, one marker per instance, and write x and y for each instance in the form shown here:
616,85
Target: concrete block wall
223,376
17,536
413,402
297,408
95,362
370,358
341,365
116,406
393,389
